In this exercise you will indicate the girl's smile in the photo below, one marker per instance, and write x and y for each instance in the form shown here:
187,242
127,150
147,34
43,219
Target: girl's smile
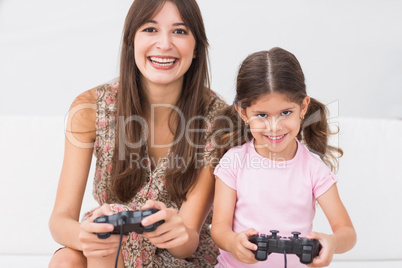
276,139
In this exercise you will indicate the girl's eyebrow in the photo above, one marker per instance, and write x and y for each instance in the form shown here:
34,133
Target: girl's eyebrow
265,112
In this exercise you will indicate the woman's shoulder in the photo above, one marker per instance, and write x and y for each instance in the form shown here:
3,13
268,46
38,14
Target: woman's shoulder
82,117
215,104
88,100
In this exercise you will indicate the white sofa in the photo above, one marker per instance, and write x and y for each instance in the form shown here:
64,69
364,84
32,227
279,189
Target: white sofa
370,184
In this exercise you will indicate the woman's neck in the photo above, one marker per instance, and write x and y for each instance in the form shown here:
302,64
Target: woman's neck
162,100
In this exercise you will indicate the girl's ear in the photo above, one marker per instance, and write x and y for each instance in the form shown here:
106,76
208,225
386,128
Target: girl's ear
242,113
304,106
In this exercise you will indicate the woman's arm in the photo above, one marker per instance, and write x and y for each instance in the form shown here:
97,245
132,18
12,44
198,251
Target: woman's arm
222,222
80,131
180,232
343,238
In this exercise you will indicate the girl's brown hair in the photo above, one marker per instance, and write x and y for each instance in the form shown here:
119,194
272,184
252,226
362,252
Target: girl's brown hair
264,72
132,101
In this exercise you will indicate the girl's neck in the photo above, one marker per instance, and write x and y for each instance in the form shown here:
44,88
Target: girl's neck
288,154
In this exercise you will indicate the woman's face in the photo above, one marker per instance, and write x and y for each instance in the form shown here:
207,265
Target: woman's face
164,48
274,123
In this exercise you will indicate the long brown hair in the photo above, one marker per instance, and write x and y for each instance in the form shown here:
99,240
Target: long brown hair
264,72
132,100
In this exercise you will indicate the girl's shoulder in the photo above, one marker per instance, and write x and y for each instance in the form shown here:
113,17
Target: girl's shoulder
238,152
312,159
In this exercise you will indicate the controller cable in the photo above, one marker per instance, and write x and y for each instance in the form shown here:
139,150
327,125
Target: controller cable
121,222
286,261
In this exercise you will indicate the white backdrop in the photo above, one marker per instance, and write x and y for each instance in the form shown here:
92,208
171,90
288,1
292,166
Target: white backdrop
350,50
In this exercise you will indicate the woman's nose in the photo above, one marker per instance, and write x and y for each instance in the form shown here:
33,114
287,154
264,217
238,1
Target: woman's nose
164,41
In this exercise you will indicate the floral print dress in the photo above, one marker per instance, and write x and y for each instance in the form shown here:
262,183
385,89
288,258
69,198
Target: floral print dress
138,251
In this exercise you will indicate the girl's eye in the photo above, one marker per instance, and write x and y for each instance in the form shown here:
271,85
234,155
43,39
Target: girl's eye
262,115
286,113
149,30
180,31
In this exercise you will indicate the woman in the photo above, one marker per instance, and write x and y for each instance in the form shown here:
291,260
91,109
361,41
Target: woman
148,131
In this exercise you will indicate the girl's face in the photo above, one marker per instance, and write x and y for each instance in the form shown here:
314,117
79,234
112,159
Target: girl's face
164,48
274,122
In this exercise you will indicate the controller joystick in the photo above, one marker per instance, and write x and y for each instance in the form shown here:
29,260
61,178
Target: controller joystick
296,235
129,221
306,249
274,233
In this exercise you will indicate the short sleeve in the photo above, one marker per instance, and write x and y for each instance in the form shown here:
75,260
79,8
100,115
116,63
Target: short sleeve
226,171
215,105
323,179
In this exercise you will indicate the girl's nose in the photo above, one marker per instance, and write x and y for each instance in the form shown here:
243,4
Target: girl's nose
275,124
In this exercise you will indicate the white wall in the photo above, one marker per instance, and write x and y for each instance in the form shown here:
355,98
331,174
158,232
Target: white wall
350,50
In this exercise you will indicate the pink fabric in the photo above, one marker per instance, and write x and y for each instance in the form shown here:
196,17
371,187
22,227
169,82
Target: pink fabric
271,195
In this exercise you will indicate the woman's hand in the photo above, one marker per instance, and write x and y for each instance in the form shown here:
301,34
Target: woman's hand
92,246
242,247
172,233
327,252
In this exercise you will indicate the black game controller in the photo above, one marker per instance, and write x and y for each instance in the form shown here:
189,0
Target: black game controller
130,221
306,249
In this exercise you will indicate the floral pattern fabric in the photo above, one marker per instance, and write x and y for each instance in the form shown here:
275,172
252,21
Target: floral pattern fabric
138,251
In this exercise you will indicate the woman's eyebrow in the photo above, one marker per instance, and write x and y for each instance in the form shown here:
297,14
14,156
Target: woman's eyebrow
179,24
174,24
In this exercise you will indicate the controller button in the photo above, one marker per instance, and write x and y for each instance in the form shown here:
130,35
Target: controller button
308,248
262,244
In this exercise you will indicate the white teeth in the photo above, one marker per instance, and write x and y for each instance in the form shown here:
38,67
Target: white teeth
276,138
163,61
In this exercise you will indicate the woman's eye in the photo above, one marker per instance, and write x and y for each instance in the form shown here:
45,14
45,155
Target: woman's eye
286,113
149,30
180,31
262,115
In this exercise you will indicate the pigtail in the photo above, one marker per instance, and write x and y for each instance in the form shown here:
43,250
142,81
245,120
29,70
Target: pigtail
315,134
229,131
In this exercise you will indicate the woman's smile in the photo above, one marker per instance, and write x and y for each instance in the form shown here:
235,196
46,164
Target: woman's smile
163,62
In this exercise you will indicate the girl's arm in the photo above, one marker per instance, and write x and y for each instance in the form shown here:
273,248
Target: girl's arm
222,222
179,234
343,238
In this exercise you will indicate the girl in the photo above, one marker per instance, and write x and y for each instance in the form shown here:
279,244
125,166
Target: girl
141,130
279,164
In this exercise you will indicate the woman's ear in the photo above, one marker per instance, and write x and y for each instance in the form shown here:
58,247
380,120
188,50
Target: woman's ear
242,113
304,106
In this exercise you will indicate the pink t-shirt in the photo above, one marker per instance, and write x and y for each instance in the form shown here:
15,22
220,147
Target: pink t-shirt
273,195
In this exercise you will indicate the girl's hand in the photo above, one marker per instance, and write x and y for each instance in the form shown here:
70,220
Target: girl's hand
92,246
241,248
172,233
327,252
